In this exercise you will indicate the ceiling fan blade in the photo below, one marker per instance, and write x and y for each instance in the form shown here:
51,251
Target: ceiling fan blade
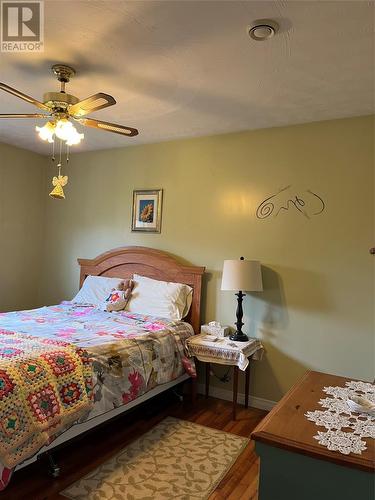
92,103
23,96
34,115
109,127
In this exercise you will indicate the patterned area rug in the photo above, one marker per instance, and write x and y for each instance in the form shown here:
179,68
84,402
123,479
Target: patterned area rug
176,459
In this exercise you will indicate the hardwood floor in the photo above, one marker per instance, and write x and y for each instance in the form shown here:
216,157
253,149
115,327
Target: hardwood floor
80,457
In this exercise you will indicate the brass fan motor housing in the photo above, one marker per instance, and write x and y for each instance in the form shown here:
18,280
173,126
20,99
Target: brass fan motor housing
59,100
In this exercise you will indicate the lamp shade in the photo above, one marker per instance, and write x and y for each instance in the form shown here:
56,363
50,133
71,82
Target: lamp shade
242,275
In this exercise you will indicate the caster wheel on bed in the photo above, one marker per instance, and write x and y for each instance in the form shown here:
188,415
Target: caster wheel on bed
54,471
178,396
53,468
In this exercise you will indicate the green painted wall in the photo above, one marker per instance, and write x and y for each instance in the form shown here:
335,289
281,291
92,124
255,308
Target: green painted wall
317,310
22,210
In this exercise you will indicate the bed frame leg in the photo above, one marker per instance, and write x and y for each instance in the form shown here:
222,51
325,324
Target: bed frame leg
194,390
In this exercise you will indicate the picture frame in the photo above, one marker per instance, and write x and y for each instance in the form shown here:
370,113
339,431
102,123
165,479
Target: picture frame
147,207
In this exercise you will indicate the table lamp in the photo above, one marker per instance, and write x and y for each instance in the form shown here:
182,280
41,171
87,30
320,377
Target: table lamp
241,275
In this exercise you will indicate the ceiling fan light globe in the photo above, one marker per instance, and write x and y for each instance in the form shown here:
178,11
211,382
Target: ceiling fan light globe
75,139
46,132
66,131
63,129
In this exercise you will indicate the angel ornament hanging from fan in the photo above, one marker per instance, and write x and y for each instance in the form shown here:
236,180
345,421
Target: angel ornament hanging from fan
59,182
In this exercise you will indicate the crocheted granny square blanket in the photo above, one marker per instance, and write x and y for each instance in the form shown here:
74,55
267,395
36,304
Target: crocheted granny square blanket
45,386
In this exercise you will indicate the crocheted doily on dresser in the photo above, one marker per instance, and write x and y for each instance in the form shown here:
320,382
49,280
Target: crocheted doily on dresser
337,416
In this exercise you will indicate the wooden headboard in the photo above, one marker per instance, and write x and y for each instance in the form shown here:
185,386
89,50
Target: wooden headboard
125,261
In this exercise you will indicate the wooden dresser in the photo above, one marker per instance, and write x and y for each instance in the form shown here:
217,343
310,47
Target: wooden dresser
294,466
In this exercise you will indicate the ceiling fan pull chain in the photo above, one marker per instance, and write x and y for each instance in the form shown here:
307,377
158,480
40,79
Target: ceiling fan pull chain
53,151
67,153
59,165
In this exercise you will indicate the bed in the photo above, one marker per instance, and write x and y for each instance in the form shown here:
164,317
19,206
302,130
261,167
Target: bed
123,358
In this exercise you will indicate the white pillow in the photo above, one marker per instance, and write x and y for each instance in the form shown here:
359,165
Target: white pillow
96,289
160,298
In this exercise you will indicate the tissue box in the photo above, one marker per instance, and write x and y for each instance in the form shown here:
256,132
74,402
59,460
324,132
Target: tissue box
217,330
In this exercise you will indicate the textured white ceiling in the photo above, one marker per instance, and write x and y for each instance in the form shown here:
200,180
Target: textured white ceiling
188,68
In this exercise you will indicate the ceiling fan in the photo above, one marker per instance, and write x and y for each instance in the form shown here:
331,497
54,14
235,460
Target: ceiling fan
60,107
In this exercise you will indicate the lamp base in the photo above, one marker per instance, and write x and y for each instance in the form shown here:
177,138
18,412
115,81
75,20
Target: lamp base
239,337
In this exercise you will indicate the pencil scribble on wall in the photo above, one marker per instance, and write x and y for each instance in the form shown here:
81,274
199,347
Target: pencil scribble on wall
307,203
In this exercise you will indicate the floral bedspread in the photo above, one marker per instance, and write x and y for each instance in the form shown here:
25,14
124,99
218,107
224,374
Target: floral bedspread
130,353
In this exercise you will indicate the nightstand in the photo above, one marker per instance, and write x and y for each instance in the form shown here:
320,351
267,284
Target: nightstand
223,351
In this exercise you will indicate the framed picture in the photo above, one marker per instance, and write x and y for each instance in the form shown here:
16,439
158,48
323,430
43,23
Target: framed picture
146,215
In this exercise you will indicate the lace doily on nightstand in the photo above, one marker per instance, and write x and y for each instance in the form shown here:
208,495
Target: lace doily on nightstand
345,428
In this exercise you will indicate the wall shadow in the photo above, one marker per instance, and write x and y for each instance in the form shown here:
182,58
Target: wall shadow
267,314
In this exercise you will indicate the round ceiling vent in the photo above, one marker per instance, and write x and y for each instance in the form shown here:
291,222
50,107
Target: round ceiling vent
263,29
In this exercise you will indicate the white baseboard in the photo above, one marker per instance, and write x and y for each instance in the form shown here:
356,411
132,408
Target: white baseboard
227,395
